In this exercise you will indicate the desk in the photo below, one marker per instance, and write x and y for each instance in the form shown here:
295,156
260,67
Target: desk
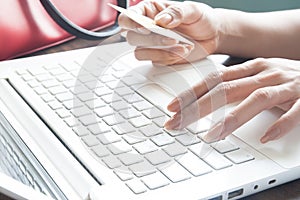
287,191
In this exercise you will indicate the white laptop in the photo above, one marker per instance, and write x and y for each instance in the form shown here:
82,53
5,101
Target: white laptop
87,124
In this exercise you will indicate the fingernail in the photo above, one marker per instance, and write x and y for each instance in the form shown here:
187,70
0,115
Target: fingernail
173,123
270,135
143,31
181,50
163,19
213,134
169,41
174,105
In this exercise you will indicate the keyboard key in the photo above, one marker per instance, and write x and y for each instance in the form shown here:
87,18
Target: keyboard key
81,111
153,113
40,90
187,139
139,121
119,147
85,78
151,130
124,128
157,157
162,139
81,130
224,146
64,96
71,104
239,156
175,149
90,140
106,78
100,151
134,137
33,83
160,121
193,164
130,113
27,77
200,126
156,180
54,105
36,71
124,176
142,105
108,137
102,91
43,77
104,111
57,89
47,97
69,83
132,98
145,147
119,105
111,98
99,128
136,186
89,119
217,160
79,88
123,91
56,71
64,77
142,169
201,149
87,96
113,119
130,158
175,172
71,121
132,80
176,132
50,83
112,162
95,103
63,113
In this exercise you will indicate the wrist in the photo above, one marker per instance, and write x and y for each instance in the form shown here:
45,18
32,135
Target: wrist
222,30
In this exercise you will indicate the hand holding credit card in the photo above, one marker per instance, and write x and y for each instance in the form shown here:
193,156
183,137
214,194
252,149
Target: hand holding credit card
149,24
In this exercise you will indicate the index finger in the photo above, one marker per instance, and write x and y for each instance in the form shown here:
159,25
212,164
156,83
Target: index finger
147,8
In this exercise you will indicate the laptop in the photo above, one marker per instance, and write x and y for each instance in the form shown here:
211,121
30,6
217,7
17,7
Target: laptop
88,124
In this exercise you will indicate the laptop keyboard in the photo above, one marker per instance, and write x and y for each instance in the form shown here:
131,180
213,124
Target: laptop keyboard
123,130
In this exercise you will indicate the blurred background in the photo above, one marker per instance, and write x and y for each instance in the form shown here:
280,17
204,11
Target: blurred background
253,5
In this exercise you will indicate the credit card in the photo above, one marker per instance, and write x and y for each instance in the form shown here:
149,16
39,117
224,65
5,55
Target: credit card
149,24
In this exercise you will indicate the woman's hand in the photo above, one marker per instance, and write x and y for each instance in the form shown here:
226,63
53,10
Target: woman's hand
259,84
196,21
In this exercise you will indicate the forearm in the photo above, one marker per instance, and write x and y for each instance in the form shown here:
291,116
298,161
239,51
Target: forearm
273,34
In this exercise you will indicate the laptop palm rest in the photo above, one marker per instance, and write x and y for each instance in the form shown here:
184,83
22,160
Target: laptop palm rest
284,151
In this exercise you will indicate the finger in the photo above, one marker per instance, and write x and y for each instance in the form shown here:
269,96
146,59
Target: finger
222,94
162,55
146,8
149,40
246,69
176,14
286,105
284,124
261,99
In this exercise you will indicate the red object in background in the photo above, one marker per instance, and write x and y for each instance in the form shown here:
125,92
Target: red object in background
26,27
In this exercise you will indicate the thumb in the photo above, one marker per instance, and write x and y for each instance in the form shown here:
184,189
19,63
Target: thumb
177,14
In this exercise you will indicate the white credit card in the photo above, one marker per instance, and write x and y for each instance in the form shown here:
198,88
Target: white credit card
149,24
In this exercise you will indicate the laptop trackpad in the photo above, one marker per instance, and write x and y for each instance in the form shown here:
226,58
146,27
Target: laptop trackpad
284,151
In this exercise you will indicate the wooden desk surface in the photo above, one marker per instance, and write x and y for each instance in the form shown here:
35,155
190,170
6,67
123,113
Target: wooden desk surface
288,191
